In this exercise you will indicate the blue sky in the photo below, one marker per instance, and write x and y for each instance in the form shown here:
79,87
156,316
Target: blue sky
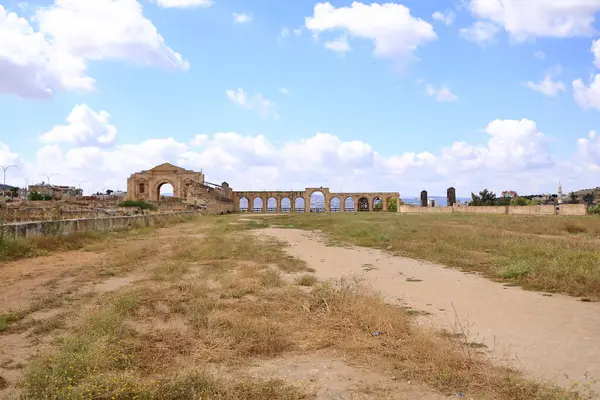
383,122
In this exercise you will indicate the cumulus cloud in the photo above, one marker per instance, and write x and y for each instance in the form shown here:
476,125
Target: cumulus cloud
339,45
589,150
480,32
394,32
596,52
37,64
242,18
540,55
85,127
514,155
587,96
548,86
184,3
539,18
442,93
257,102
447,17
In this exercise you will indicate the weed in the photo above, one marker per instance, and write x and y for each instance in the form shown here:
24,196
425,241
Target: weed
306,280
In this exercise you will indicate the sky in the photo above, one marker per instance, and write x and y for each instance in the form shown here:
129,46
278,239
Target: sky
278,95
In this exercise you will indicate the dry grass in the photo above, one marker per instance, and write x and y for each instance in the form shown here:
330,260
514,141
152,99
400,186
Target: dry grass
552,254
222,301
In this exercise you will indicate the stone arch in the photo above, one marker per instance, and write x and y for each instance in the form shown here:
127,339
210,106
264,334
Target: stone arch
160,183
271,204
244,204
258,204
377,203
335,204
318,200
285,204
299,204
363,204
349,204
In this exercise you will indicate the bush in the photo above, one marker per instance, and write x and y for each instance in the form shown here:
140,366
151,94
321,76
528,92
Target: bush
595,209
35,196
137,203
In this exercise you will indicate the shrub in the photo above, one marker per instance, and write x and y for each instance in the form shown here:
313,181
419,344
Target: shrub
137,203
595,209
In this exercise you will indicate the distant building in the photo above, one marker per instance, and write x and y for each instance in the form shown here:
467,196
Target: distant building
511,194
57,192
6,190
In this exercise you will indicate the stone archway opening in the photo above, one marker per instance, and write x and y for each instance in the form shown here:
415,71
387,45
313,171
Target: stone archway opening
165,191
244,204
317,201
392,204
286,205
377,204
335,205
349,204
271,204
299,205
363,204
257,205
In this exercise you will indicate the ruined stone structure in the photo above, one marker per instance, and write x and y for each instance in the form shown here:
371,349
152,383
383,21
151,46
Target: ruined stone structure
300,201
451,196
424,198
189,186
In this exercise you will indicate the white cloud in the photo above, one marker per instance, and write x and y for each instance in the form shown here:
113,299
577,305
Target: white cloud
548,86
515,156
257,102
480,32
286,32
589,150
339,45
72,33
596,52
33,66
540,55
394,31
85,127
447,17
587,96
443,93
242,18
283,90
184,3
539,18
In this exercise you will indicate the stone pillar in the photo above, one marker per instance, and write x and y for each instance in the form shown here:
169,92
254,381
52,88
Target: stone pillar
265,205
278,200
292,203
451,196
385,204
327,203
424,198
398,204
342,204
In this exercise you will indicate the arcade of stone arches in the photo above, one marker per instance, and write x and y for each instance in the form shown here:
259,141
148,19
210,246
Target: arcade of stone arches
314,200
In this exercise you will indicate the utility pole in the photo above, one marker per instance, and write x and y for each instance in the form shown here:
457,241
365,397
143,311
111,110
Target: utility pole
48,177
4,170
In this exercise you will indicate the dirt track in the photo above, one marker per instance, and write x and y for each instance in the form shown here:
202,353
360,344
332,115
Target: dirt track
556,338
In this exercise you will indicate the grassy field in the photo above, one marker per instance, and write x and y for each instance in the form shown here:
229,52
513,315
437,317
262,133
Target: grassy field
553,254
212,302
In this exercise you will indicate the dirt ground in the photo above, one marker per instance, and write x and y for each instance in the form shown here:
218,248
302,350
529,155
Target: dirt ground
549,336
62,286
555,338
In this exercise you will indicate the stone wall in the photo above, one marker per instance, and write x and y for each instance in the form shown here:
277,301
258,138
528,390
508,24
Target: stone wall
573,209
564,209
69,226
532,210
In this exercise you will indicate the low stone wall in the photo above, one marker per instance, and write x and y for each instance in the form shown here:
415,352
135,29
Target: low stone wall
564,209
572,209
425,210
69,226
532,210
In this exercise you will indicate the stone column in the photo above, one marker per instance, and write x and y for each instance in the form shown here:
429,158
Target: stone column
265,206
278,200
292,203
342,203
385,204
424,198
327,204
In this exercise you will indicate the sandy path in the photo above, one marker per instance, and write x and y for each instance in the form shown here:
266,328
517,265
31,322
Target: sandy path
547,337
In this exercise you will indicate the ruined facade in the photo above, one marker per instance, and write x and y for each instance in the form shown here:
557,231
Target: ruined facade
300,201
188,186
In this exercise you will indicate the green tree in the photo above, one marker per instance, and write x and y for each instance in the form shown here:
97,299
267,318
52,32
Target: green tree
522,201
485,198
35,196
393,205
588,199
14,191
574,199
109,191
